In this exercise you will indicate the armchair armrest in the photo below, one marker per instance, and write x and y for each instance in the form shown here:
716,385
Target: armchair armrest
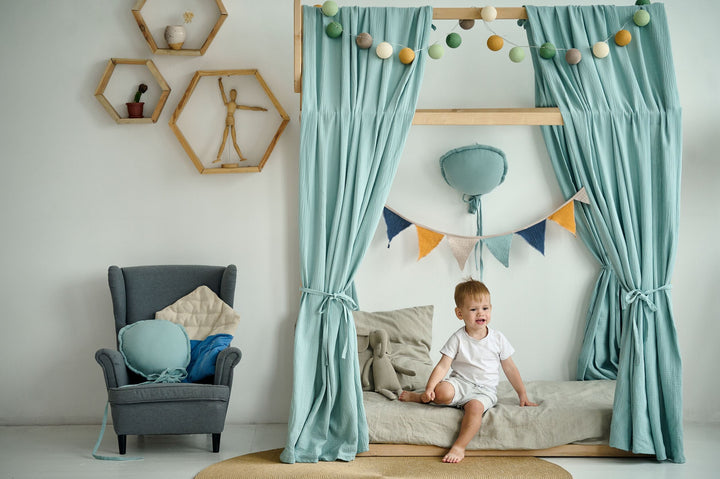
227,359
113,366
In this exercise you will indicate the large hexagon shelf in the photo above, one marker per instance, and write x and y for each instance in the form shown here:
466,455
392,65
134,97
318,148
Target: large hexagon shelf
231,167
105,79
136,11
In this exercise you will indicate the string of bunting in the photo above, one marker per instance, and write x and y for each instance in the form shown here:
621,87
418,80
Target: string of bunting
498,244
547,51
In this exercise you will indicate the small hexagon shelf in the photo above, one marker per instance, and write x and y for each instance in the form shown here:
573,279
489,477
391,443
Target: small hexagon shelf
182,51
232,167
105,79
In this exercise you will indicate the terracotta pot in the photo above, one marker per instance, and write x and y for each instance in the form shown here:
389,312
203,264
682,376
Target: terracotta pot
135,109
175,36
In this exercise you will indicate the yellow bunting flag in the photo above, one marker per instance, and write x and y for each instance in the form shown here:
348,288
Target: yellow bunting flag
427,241
565,217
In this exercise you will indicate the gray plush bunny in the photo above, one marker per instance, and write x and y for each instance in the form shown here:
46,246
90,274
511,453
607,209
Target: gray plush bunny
384,371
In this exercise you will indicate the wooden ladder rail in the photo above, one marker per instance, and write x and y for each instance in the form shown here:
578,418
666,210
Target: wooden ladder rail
451,116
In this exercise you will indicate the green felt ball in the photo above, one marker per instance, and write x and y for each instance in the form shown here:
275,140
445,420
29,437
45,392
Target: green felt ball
547,50
436,51
516,54
334,29
453,40
642,2
329,8
641,18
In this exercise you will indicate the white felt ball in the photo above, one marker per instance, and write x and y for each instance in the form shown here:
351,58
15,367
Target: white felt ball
601,49
384,50
488,14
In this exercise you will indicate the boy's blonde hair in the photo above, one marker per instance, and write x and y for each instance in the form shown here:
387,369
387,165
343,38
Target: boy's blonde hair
470,288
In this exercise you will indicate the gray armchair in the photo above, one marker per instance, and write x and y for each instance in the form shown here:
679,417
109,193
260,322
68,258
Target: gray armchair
165,408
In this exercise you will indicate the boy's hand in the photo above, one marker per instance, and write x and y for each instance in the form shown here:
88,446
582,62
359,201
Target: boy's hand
428,396
524,401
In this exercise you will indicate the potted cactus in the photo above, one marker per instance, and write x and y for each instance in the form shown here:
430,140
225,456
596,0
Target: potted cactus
135,108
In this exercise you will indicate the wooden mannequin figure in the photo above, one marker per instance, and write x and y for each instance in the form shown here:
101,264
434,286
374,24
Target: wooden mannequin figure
230,119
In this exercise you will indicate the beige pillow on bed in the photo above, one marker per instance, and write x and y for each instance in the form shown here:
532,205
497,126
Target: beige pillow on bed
410,332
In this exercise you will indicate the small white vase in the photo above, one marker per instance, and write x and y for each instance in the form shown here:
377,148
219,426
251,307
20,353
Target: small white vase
175,36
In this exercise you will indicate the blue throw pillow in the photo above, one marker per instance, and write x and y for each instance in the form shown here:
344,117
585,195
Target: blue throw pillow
203,356
156,349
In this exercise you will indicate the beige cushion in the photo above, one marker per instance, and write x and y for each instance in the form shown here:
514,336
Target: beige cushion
410,332
202,313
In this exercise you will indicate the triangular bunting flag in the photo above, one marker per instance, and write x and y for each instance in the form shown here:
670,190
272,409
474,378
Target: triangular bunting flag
565,217
582,196
461,248
395,224
499,246
427,241
535,235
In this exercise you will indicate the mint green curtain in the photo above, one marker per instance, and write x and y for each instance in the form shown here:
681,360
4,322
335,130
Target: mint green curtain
622,141
356,113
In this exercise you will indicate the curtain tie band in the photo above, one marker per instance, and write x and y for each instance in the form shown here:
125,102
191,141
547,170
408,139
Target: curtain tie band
635,294
348,304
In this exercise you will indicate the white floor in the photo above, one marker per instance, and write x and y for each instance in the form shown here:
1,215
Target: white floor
37,452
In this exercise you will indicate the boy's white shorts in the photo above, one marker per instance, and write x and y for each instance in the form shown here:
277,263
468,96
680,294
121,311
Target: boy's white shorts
466,391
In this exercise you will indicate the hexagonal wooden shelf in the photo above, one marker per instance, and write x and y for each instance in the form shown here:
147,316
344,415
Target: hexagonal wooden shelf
183,51
186,145
105,79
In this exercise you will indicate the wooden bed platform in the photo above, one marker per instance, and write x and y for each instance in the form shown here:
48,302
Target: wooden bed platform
567,450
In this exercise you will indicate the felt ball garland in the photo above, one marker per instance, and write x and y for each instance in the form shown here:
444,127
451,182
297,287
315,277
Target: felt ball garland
495,42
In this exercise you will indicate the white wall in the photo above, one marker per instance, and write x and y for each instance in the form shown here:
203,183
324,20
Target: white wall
79,193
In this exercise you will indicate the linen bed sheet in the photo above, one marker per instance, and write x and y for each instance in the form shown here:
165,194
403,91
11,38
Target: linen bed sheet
568,412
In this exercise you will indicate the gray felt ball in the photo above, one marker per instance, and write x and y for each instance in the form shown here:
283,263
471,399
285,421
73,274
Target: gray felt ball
573,56
364,40
467,24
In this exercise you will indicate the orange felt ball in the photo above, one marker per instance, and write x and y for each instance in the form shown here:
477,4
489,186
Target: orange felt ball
406,55
495,42
622,38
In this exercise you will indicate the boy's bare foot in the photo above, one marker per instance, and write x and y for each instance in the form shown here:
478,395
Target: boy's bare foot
410,396
454,455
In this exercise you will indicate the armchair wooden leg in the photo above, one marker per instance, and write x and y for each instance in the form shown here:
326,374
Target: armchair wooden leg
122,443
216,442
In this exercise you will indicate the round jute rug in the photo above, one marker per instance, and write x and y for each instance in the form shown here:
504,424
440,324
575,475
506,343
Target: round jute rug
266,464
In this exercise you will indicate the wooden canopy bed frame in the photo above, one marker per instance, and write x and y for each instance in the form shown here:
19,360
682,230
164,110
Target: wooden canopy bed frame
470,116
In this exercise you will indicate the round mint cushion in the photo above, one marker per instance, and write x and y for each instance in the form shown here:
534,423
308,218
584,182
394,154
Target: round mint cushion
157,349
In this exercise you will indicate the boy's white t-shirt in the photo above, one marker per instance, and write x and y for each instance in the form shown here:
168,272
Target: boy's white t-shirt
477,360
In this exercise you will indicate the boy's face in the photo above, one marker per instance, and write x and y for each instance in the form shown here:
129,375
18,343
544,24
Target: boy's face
475,313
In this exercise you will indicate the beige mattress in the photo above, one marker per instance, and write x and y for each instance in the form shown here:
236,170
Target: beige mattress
568,412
